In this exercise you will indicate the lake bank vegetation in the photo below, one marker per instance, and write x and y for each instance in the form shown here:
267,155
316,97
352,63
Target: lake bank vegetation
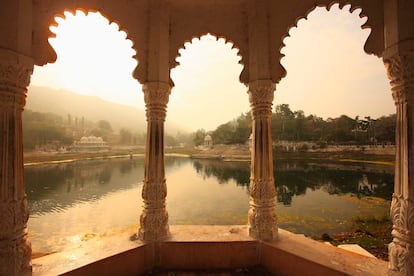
48,136
371,233
290,129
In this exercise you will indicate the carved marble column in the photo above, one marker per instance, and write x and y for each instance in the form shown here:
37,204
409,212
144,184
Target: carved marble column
154,217
15,249
262,217
400,70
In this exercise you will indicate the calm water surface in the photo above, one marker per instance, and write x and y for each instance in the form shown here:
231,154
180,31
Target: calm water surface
72,201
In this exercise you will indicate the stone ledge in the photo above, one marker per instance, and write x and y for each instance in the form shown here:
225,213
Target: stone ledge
202,247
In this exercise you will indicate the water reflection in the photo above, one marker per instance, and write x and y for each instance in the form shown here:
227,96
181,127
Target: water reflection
79,198
224,171
294,179
60,186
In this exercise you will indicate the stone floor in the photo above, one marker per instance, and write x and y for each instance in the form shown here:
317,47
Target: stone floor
252,271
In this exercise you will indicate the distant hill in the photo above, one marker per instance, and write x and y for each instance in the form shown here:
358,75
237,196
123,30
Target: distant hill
63,102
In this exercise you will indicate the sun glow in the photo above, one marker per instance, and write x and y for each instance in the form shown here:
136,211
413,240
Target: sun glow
328,72
205,81
94,58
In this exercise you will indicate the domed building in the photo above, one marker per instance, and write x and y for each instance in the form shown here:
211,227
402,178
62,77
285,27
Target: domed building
208,141
90,144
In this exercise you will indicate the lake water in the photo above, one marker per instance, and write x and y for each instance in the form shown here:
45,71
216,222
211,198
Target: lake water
70,202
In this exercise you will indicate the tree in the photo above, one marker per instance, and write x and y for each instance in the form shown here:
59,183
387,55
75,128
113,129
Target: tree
170,141
43,128
125,136
103,129
340,129
283,127
199,137
223,134
284,111
243,129
385,129
299,124
105,126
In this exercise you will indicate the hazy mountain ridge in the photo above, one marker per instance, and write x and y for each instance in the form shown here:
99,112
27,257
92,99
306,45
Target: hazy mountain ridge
93,108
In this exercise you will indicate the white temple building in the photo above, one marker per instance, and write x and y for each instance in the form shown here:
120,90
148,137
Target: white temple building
90,144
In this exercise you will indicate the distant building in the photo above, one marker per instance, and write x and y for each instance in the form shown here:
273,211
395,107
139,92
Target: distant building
90,143
208,141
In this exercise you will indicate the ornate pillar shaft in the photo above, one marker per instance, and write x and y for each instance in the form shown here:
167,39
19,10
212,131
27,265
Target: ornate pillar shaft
154,217
400,70
262,217
15,249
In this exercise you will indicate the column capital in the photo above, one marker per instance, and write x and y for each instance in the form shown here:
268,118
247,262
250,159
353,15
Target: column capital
156,93
400,71
15,73
156,96
261,92
15,69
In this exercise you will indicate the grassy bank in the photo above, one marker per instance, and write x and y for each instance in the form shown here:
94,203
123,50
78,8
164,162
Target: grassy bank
371,233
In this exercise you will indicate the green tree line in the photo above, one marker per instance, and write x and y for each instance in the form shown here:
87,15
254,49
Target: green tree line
289,125
42,128
48,129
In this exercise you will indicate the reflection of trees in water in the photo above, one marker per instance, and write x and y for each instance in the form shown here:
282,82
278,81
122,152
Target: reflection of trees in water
174,162
57,186
105,175
283,194
126,167
292,182
295,178
224,171
54,187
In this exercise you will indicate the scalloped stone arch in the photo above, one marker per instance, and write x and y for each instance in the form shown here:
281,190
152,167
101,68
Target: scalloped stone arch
44,53
175,52
369,9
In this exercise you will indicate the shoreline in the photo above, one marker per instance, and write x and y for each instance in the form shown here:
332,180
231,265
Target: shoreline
42,158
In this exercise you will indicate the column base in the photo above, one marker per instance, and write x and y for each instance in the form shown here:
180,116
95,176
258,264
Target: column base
401,259
263,223
264,234
151,235
15,256
154,225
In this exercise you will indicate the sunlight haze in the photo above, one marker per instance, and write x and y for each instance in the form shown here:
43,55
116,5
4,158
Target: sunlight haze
328,73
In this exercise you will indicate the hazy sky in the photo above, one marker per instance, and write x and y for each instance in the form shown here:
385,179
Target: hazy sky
328,72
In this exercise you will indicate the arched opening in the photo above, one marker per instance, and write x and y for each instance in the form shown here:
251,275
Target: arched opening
91,50
326,51
212,106
205,80
335,103
78,108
